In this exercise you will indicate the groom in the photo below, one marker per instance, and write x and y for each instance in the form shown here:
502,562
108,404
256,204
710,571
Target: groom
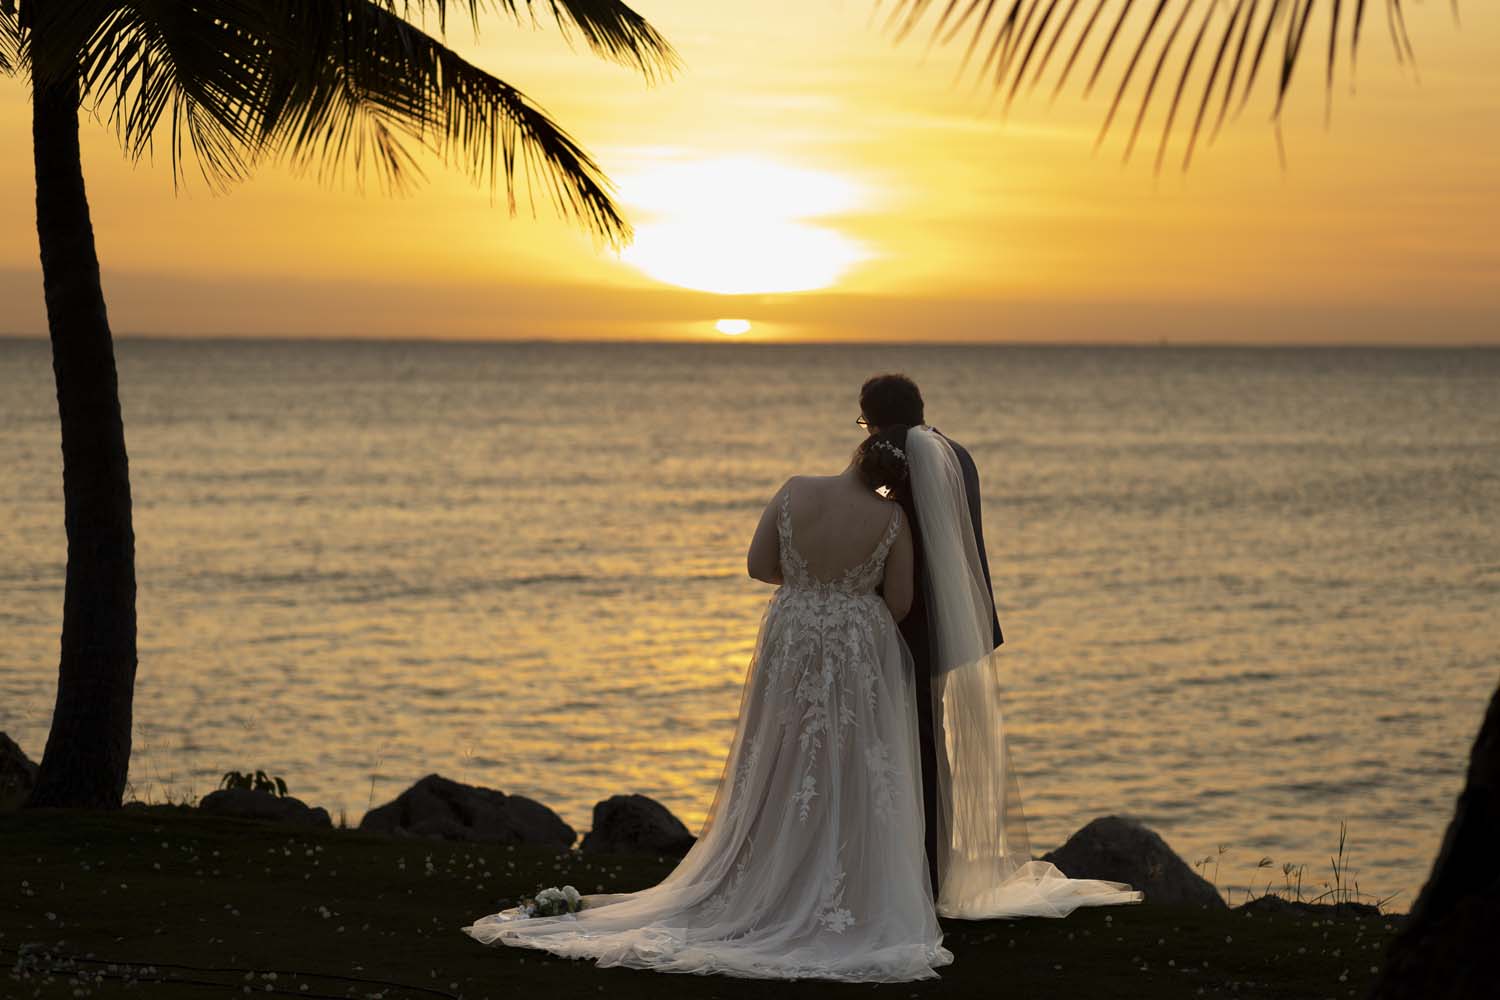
894,399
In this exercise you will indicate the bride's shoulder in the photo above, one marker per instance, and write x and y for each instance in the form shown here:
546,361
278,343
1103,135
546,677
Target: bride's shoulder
808,483
803,494
795,488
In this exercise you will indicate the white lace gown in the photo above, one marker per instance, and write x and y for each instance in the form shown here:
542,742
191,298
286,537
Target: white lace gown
811,862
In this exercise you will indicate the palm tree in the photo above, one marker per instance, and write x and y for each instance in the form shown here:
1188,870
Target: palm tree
319,83
1442,949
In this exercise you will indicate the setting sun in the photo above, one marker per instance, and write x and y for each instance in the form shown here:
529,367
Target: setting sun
733,327
739,225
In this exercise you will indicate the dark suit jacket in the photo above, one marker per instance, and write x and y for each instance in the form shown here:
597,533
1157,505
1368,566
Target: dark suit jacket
916,628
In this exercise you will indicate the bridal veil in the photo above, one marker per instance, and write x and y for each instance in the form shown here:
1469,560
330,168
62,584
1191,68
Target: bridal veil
984,860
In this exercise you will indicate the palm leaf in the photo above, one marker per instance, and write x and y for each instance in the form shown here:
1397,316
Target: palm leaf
610,28
1213,76
1062,29
615,32
1239,56
360,85
11,49
327,86
1238,33
1192,55
1083,37
201,68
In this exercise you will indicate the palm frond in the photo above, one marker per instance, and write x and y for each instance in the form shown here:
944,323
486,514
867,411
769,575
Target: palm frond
201,68
1083,37
12,48
1028,37
613,30
1213,77
326,86
359,83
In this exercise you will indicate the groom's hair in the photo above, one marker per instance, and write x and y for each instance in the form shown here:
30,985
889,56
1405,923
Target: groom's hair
891,399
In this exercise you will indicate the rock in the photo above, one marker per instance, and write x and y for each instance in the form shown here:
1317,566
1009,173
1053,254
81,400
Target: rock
1276,906
17,775
247,803
636,824
1120,849
439,807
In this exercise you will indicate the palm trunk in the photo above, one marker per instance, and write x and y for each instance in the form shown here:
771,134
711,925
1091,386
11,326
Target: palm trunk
87,755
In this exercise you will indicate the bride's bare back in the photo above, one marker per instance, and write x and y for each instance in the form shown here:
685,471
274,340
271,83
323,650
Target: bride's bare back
836,522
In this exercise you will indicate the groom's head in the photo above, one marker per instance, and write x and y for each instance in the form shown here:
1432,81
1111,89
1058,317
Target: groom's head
890,399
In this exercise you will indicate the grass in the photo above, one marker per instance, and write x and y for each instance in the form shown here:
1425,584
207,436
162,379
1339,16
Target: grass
161,901
1343,887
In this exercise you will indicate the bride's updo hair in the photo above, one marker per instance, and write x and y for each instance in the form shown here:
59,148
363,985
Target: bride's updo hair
880,458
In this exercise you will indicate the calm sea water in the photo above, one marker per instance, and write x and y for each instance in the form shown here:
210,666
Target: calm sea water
1247,594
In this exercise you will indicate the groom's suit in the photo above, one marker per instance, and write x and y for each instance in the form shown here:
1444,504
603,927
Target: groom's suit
916,627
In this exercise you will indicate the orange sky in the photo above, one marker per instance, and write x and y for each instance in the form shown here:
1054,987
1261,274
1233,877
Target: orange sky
857,192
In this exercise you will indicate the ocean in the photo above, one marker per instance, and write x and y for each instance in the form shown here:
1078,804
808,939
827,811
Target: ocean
1248,595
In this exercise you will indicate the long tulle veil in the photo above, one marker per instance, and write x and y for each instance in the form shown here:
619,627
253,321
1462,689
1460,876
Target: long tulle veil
984,859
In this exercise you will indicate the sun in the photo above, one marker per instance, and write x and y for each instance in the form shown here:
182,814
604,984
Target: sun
732,327
741,225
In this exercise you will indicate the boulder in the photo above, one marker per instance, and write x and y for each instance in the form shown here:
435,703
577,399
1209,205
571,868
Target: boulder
1271,905
17,775
247,803
1120,849
636,824
450,810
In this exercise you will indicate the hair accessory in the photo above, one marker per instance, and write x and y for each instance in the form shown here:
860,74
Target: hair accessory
891,448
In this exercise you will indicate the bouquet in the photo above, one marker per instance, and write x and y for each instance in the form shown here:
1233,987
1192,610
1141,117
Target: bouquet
551,902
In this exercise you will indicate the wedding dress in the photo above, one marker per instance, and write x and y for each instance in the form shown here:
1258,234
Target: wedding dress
811,861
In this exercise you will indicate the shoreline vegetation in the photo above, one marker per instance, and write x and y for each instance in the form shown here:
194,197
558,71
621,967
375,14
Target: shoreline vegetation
164,901
177,899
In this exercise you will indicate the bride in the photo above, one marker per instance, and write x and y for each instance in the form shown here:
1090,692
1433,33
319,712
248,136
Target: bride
811,862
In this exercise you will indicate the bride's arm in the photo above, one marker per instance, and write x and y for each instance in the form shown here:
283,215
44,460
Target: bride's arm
899,569
764,558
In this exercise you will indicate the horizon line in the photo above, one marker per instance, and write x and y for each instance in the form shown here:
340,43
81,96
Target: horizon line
1164,342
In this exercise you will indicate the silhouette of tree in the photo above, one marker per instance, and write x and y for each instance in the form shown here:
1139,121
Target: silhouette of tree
322,85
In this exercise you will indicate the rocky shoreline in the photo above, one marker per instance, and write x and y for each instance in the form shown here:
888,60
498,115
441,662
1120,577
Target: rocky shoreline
1114,848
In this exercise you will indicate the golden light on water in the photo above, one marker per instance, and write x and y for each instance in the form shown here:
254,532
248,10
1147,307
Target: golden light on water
732,327
738,225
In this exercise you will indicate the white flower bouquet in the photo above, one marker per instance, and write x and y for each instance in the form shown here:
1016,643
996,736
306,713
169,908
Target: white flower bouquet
552,902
